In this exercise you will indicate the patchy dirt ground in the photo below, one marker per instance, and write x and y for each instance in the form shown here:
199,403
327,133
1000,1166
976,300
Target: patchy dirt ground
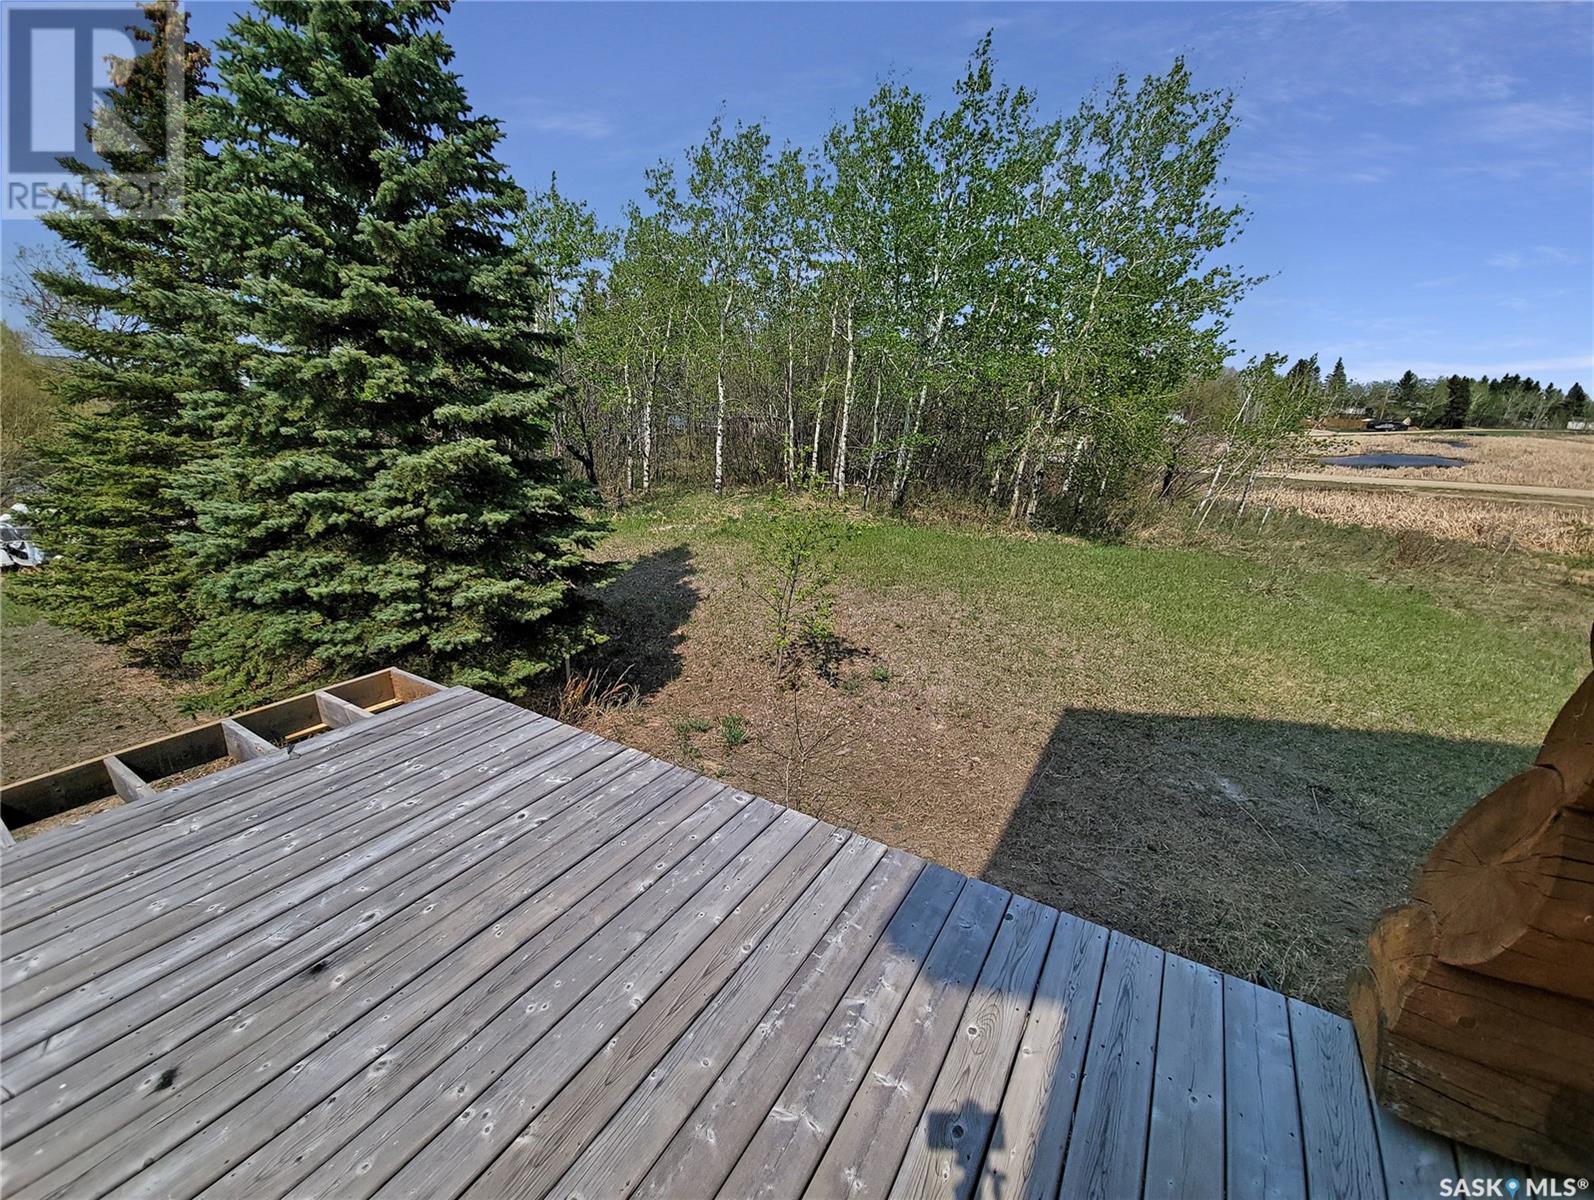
64,698
1083,770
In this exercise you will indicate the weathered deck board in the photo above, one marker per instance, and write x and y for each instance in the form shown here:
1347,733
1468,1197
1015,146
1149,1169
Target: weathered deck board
622,1152
456,949
137,1023
212,1073
190,845
1107,1148
1037,1113
663,1044
178,938
1263,1113
706,1148
651,852
949,1143
258,851
792,1137
127,833
868,1147
1336,1115
346,1042
1184,1152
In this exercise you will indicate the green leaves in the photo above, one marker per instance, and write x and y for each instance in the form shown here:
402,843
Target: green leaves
383,488
105,505
1000,291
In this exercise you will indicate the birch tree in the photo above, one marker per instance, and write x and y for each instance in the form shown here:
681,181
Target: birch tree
724,213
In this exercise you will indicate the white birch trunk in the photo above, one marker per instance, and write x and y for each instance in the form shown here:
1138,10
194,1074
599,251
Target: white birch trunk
647,439
719,429
846,412
874,442
824,392
719,410
791,413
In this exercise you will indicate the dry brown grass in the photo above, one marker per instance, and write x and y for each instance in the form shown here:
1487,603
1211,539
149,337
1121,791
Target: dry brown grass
1497,524
1566,461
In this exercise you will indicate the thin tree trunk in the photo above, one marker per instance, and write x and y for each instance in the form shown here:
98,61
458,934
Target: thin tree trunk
719,430
874,443
719,411
910,431
1018,477
647,435
630,417
1272,499
1206,501
910,423
791,413
1036,475
1245,495
846,412
824,389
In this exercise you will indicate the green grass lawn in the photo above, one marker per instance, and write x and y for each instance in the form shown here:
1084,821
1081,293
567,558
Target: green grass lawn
1236,748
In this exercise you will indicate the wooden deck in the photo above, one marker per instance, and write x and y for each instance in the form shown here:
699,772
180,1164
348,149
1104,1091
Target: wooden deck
462,949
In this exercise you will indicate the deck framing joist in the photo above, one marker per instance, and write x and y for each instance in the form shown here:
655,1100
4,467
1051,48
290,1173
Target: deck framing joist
256,733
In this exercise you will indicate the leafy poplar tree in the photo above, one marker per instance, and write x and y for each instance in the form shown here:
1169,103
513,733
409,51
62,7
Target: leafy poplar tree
106,507
382,491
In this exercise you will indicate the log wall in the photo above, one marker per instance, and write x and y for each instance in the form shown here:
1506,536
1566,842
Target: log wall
1475,1009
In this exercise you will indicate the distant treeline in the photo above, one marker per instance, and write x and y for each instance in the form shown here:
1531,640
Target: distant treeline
1450,401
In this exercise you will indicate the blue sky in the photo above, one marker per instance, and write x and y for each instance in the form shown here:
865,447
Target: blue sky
1421,175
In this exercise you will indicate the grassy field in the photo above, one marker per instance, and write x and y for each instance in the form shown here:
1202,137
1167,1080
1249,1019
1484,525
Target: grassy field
1236,749
1233,744
1519,457
1565,531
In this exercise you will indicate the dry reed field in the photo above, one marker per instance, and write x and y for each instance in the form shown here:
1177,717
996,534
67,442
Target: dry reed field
1547,461
1498,524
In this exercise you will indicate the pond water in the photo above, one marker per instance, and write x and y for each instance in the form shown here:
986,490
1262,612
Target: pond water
1394,460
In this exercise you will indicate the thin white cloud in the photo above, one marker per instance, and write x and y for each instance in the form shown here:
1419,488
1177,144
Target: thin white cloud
1537,256
571,123
1563,371
559,119
1531,120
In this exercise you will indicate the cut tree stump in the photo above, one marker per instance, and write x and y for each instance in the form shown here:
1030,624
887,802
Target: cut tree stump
1475,1010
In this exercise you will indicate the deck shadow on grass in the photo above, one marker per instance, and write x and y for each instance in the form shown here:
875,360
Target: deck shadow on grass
1264,848
646,607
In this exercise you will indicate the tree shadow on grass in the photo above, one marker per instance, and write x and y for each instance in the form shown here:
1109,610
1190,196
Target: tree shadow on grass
1264,848
646,606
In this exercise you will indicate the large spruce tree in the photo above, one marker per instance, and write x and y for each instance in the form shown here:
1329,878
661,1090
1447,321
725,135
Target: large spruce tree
381,489
105,505
1458,402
